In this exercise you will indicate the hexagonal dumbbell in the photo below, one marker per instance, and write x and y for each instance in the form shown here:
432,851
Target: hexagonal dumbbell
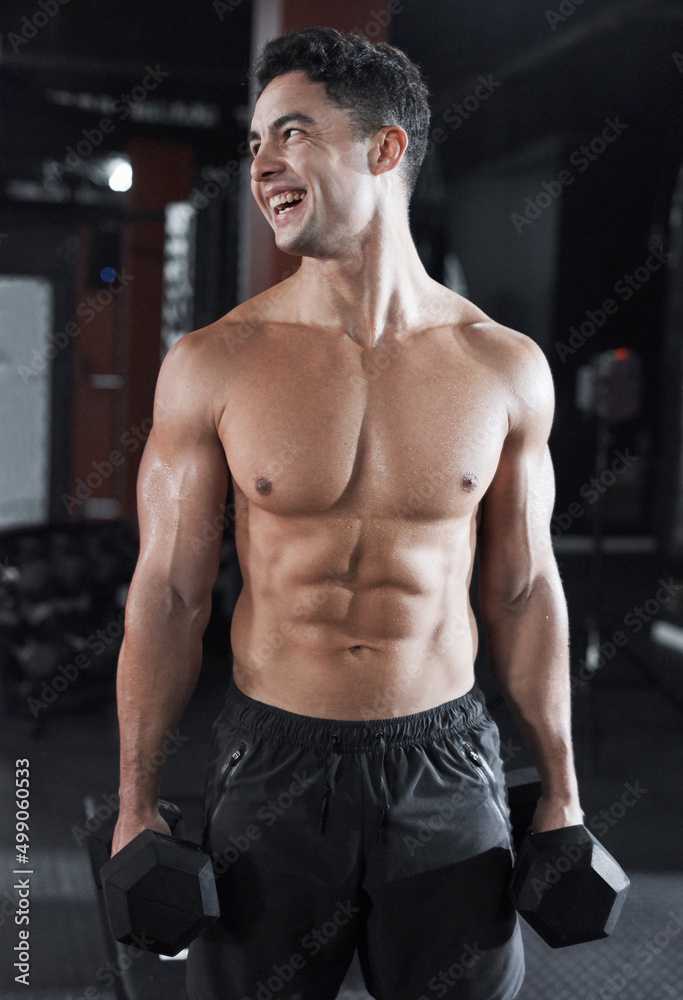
567,886
159,892
100,829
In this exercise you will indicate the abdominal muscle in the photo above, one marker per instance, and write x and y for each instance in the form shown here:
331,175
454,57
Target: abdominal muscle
379,630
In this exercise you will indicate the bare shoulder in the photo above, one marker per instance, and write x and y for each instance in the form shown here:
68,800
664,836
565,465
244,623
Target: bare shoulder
513,364
516,362
192,377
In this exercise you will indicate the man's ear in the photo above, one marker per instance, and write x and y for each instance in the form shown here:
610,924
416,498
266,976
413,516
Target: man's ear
388,145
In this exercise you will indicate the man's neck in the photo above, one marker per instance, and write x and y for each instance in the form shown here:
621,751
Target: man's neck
373,288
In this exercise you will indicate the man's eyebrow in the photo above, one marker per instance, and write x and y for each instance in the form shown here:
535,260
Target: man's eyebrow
292,116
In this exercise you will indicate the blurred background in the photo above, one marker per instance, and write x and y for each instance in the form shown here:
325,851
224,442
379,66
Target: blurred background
551,195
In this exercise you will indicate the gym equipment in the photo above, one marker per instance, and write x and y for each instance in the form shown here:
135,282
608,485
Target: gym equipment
159,891
567,886
148,976
101,832
62,594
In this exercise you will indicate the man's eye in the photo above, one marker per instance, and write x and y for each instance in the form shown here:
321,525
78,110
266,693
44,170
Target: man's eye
287,132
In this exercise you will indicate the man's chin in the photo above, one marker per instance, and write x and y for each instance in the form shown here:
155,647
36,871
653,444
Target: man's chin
292,245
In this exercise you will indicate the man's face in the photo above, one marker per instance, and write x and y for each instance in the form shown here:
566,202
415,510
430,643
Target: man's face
304,149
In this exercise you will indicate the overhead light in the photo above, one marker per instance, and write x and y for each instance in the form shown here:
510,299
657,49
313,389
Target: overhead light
120,175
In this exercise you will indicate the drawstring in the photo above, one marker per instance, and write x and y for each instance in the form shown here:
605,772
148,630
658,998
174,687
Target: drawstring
328,781
379,736
327,787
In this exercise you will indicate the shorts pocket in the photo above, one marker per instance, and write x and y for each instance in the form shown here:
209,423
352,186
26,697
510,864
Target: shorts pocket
228,752
225,774
476,760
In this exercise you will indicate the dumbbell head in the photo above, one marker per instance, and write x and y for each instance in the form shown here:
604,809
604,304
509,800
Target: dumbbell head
101,832
160,893
567,886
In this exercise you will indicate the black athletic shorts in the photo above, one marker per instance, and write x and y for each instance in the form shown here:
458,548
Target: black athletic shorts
389,836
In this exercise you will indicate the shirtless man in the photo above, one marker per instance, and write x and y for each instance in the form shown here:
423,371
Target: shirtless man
374,427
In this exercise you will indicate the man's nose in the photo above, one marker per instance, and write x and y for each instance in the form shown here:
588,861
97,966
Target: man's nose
266,163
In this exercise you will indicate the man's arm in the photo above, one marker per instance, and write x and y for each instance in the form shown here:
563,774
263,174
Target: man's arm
520,593
182,488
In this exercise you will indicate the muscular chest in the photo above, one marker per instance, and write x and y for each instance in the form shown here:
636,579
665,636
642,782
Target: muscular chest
412,429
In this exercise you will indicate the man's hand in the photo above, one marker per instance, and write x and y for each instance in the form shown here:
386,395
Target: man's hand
130,825
552,814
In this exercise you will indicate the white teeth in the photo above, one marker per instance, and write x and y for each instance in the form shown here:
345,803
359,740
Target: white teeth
282,199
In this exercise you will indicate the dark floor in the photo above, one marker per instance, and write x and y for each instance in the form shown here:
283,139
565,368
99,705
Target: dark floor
628,724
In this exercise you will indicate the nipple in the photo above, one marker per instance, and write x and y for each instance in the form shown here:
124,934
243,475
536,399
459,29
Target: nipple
469,481
263,486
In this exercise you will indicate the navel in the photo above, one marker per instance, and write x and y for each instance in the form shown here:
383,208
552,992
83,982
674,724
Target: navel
469,481
263,485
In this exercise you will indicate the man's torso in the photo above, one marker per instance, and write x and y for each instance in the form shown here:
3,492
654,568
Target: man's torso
357,475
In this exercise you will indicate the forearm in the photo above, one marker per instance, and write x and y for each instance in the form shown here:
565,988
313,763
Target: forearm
158,669
528,643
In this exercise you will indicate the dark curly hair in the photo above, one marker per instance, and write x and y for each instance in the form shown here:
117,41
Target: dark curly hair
374,81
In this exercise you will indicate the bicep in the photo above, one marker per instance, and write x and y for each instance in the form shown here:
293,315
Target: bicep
514,534
182,489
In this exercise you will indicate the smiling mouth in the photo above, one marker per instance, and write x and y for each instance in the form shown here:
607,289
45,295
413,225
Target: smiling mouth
283,204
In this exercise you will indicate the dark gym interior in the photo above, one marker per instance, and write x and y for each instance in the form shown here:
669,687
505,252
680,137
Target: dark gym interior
551,196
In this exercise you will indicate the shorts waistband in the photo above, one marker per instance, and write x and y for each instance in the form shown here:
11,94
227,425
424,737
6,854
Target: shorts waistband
249,715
